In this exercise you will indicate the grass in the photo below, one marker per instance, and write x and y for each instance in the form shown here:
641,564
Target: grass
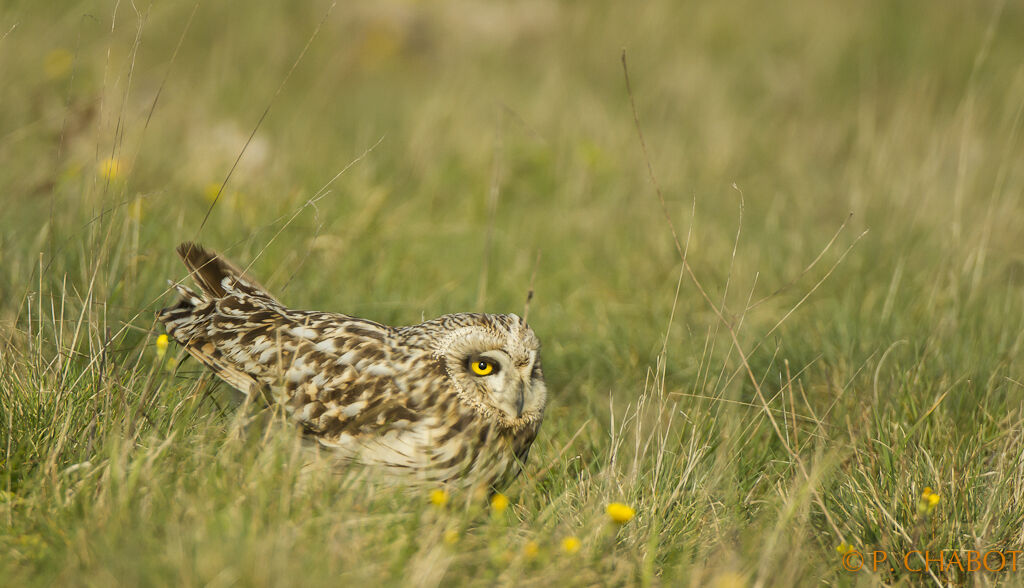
846,182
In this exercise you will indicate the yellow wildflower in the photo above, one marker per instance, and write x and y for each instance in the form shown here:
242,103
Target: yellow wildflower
451,537
439,497
571,544
499,502
57,63
929,500
231,199
844,548
211,191
110,168
161,346
620,513
531,549
382,42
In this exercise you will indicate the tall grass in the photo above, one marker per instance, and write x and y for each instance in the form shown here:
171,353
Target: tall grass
840,326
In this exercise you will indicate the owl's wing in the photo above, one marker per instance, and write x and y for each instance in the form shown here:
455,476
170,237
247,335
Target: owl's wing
293,354
193,323
251,341
346,383
380,409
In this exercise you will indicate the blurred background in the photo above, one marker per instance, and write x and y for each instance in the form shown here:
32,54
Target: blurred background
502,130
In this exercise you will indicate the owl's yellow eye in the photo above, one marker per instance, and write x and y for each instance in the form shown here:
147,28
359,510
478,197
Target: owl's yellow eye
482,367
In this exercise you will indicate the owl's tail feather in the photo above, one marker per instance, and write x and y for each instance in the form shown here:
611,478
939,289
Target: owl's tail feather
217,276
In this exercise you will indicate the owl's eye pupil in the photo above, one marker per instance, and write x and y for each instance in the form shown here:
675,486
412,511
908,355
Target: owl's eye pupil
481,365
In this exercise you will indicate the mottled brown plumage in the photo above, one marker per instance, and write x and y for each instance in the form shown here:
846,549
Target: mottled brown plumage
457,399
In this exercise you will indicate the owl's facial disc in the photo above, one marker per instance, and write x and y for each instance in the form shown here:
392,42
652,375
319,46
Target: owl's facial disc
507,386
494,364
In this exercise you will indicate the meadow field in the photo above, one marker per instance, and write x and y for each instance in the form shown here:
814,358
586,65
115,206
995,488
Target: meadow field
779,282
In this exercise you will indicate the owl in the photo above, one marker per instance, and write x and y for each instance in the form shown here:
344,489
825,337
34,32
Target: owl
456,400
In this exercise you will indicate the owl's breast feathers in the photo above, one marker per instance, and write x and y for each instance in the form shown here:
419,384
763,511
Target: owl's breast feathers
357,387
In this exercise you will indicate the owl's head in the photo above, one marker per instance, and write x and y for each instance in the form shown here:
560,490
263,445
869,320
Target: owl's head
494,362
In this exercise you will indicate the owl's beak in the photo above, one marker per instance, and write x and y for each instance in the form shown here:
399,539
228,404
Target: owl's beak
520,398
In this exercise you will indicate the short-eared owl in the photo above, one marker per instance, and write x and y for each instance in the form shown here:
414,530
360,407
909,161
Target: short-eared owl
457,399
